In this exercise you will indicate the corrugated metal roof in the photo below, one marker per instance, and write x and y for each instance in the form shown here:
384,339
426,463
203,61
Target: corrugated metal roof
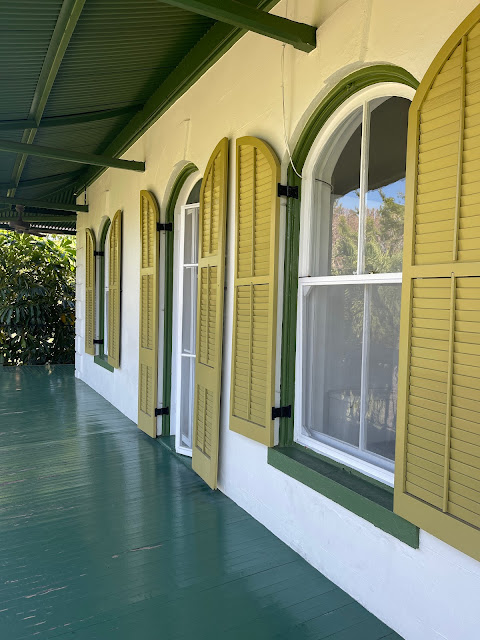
118,55
26,27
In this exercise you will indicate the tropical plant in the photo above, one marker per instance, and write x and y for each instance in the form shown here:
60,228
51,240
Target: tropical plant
37,299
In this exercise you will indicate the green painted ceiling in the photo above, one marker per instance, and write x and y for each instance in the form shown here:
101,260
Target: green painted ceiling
135,55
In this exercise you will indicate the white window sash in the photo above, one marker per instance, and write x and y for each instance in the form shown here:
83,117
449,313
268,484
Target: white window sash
181,353
309,197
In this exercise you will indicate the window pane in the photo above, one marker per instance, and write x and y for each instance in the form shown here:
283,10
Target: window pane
332,356
106,282
188,246
189,309
186,403
345,234
385,202
382,373
345,199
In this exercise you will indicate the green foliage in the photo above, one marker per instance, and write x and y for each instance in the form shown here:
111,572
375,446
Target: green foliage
383,254
383,238
37,299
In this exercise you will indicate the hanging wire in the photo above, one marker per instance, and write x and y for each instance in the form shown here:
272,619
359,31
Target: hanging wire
284,116
285,137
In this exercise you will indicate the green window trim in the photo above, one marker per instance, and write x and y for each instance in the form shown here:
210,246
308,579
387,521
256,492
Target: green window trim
180,180
345,89
367,498
363,496
101,357
102,360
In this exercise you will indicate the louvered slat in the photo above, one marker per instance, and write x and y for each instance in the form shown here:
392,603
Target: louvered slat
114,289
210,299
256,255
437,483
148,352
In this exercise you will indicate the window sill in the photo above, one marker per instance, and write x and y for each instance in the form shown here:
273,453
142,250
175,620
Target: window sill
366,497
103,362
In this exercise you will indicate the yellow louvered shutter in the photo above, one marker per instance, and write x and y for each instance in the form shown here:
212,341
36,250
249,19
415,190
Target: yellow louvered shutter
89,291
437,475
209,341
148,350
255,291
114,289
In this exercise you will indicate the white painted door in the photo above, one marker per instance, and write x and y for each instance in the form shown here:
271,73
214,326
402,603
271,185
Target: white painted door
186,328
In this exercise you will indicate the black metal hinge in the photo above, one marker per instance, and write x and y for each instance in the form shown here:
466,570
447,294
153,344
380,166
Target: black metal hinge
288,191
162,411
282,412
100,341
164,226
99,253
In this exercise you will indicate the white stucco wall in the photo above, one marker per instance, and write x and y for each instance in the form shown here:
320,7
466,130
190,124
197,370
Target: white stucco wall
426,594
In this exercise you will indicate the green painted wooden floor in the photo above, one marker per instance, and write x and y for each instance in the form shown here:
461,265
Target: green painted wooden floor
105,534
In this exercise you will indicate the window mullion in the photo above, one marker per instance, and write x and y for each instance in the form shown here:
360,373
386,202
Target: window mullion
364,372
362,223
362,210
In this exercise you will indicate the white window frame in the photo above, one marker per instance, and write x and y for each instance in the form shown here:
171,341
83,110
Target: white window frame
106,287
315,163
179,332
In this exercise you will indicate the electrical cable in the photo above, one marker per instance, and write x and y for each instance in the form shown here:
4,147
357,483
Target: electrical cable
285,137
287,146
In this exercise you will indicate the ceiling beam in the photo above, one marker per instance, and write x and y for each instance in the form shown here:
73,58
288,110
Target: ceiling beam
64,28
74,118
218,40
70,156
39,182
299,35
41,204
39,218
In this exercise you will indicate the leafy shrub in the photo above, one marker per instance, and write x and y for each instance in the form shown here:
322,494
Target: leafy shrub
37,299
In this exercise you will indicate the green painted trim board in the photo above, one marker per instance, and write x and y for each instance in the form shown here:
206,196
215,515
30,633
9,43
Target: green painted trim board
366,498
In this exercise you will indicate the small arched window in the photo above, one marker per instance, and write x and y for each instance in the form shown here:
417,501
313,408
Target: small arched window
102,286
350,281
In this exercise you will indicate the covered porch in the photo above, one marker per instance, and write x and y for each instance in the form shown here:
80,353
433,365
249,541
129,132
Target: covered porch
104,533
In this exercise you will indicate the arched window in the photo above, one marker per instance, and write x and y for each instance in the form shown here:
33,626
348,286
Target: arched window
186,319
106,263
102,286
351,243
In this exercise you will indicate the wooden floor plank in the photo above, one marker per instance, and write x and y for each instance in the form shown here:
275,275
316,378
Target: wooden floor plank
105,534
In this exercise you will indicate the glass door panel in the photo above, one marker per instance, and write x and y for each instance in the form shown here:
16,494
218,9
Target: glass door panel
187,327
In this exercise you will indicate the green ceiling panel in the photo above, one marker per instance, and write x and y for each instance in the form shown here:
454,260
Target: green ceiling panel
119,55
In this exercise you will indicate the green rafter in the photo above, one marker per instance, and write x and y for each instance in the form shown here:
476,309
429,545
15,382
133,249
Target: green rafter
64,28
301,36
70,156
39,218
219,39
39,182
74,118
41,204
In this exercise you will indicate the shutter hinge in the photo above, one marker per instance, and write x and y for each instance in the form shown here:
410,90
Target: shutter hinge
164,226
282,412
99,253
99,341
162,411
288,191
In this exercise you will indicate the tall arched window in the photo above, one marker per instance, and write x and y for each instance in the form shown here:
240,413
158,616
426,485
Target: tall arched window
186,317
350,281
102,272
